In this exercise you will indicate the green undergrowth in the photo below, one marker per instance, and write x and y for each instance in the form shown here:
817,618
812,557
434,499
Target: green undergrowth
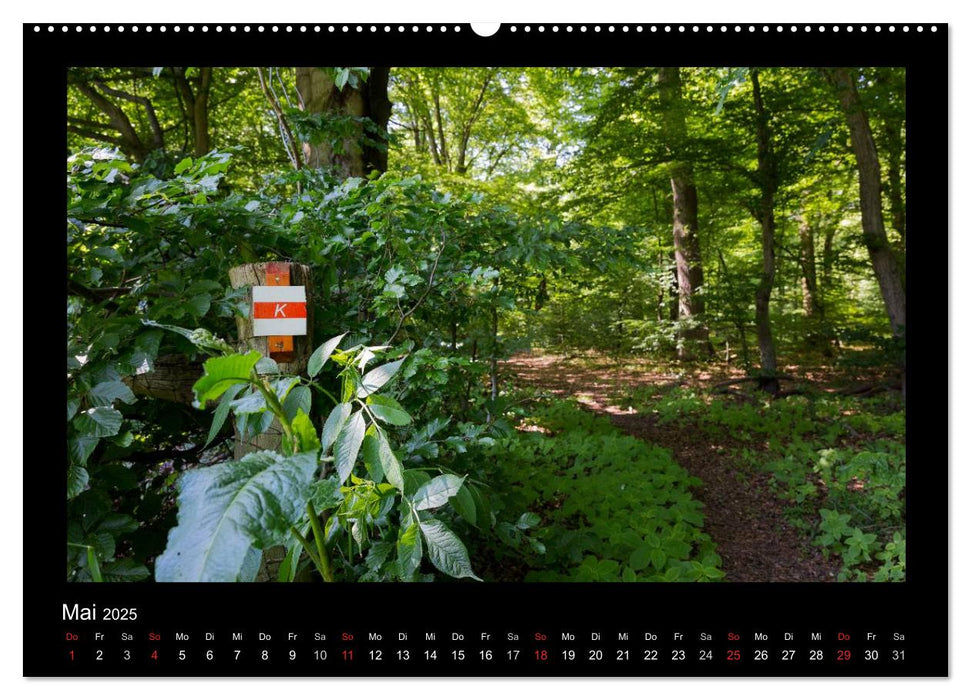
597,505
839,461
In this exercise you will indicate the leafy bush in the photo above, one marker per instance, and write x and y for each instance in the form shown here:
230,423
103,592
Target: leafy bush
599,505
340,496
146,252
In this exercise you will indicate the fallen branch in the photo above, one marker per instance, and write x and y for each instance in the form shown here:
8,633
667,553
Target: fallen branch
759,380
870,389
171,379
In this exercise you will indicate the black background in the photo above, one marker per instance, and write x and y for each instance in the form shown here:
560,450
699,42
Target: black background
917,608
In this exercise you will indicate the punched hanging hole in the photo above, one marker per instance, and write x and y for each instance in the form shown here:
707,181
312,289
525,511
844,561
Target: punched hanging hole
486,29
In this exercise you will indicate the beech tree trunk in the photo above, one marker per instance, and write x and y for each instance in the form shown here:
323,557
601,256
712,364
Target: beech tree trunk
895,150
196,105
768,183
811,307
354,155
882,258
693,333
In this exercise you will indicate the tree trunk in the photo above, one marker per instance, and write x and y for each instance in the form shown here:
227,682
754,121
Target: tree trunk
130,143
738,315
768,181
248,276
812,307
807,261
200,113
882,258
895,149
693,332
354,155
196,106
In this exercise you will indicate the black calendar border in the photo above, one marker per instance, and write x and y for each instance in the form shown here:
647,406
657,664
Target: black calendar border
918,606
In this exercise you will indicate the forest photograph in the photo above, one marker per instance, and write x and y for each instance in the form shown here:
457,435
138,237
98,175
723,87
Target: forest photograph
486,324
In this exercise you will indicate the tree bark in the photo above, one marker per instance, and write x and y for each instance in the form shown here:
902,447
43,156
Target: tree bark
768,182
248,276
895,149
352,155
196,105
882,258
693,332
811,308
171,379
200,113
130,143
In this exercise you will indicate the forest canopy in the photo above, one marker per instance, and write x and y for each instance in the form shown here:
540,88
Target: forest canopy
562,323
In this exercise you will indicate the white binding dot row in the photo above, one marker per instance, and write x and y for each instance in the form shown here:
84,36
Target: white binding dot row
400,28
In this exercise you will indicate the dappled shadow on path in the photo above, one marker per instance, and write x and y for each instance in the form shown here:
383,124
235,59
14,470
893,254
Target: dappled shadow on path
756,542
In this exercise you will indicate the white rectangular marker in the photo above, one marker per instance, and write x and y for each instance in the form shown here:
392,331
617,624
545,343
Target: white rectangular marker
279,326
270,294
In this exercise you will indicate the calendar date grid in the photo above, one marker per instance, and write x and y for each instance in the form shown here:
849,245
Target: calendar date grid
348,651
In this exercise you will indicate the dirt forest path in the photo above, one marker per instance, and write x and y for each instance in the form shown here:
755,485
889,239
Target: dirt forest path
742,516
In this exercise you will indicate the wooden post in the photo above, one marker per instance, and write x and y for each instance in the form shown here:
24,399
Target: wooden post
291,362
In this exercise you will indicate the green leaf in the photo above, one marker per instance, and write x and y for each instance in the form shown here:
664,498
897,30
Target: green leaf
640,558
446,551
267,365
409,552
382,461
388,410
144,350
288,568
229,509
72,407
464,504
303,428
77,480
200,337
185,163
199,305
250,402
658,559
326,494
124,570
106,393
119,523
377,555
299,399
437,491
413,479
103,543
80,448
283,386
378,377
99,422
340,77
221,373
527,520
222,411
320,356
94,567
372,460
348,444
332,427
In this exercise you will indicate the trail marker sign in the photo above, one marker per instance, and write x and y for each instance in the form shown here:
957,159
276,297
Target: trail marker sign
279,311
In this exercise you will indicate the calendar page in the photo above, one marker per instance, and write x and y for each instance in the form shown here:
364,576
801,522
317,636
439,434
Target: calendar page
522,350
